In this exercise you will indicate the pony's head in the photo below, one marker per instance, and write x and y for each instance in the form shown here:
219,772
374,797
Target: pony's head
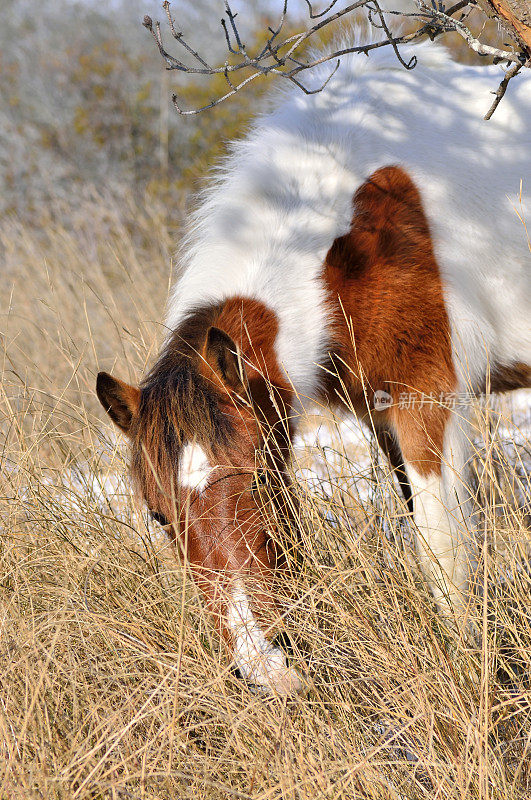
200,457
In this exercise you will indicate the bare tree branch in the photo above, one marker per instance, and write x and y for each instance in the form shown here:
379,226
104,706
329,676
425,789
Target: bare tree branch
280,56
451,24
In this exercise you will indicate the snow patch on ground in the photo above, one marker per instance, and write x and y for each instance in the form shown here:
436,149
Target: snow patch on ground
342,455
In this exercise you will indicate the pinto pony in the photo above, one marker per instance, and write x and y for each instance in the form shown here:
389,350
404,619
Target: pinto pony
365,241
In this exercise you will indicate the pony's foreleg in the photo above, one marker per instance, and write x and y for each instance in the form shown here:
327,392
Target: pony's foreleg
458,496
435,446
390,447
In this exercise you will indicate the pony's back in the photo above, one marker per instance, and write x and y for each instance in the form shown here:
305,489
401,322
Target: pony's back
270,214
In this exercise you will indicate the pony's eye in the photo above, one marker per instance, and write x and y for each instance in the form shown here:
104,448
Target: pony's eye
160,518
259,481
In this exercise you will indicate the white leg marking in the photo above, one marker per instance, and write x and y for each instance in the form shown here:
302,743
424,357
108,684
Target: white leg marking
194,469
439,544
259,661
457,495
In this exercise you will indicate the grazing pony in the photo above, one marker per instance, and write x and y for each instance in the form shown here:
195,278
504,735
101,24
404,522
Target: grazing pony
364,245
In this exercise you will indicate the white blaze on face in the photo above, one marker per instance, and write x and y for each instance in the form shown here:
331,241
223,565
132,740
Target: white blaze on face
259,661
194,468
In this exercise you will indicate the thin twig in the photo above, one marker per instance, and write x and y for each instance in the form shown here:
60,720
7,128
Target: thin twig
321,87
320,13
227,37
179,37
275,31
232,20
412,63
213,103
502,88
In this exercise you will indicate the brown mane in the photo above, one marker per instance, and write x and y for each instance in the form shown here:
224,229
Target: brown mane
177,404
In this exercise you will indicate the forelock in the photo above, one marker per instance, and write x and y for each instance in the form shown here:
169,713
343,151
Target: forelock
177,405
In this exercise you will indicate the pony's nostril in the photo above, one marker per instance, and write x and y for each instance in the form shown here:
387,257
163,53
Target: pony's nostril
282,642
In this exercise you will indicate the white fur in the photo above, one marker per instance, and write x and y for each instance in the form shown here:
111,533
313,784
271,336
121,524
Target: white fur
194,469
260,662
441,552
283,196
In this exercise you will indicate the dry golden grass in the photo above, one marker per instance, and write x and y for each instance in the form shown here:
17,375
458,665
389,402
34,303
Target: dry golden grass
113,684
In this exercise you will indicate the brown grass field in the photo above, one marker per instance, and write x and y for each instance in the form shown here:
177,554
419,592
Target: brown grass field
113,682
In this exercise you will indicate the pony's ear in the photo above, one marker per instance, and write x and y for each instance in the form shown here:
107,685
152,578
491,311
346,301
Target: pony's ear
221,354
120,400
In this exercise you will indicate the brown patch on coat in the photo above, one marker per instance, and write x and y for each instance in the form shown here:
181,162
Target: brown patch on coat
254,328
390,328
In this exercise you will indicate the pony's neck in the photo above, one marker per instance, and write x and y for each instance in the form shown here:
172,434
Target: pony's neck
254,327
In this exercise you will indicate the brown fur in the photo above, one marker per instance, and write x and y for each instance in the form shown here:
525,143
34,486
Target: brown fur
507,377
177,404
391,331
